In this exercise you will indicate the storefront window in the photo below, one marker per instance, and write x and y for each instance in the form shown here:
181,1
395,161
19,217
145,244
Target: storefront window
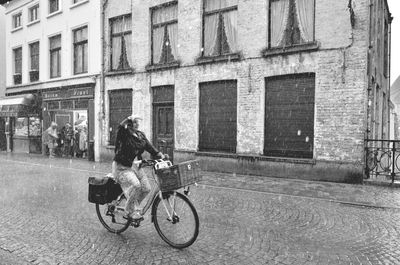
35,128
21,127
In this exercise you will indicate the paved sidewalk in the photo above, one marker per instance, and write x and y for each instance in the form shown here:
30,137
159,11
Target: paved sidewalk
363,195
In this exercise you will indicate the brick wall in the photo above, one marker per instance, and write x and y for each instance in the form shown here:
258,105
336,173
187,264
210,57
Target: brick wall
340,66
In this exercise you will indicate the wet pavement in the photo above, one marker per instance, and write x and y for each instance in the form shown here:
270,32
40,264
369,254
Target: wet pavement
46,219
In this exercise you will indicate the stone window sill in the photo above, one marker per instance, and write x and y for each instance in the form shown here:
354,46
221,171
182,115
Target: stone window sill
255,157
78,4
54,14
216,59
159,67
33,22
16,29
312,46
119,72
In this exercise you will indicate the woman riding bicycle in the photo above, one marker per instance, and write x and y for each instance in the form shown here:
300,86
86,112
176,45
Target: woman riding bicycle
130,144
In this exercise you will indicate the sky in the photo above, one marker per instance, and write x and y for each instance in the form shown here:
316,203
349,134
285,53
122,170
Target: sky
394,7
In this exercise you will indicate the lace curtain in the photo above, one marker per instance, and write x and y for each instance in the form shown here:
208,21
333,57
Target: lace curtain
161,15
279,18
230,23
305,15
210,35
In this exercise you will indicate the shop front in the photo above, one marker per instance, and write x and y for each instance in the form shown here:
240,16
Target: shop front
20,118
71,107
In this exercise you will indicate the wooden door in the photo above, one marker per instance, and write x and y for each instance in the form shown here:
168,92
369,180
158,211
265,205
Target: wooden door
3,140
163,119
289,115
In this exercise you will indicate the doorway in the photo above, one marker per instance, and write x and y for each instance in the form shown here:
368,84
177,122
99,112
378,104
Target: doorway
163,119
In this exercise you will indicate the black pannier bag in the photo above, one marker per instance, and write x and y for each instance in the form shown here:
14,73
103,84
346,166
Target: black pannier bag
103,190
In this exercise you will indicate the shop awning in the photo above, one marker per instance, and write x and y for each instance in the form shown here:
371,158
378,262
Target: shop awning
18,106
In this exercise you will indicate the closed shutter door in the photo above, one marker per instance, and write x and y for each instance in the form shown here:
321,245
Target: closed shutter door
218,111
289,115
120,108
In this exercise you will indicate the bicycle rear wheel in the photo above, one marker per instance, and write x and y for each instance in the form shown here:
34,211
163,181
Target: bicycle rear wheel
112,217
176,220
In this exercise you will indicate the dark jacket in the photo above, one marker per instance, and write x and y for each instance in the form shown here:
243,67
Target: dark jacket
131,144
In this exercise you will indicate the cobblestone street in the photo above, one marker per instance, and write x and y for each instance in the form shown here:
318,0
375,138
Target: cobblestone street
46,219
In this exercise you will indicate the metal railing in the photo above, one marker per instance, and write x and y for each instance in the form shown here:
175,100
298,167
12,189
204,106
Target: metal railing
382,158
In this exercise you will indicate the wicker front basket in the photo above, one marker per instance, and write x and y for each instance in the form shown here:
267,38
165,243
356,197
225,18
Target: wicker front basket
178,176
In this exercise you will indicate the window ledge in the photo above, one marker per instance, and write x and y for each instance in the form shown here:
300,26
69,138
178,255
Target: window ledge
110,147
16,29
78,4
158,67
33,22
119,72
312,46
220,58
255,157
54,14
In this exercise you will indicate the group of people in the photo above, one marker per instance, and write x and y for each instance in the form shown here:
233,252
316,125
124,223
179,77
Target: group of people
67,142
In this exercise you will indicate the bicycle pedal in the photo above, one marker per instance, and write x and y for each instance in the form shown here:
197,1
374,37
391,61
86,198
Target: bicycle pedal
136,222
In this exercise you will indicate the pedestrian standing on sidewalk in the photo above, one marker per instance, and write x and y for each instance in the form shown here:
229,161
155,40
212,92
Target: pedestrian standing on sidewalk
130,144
51,138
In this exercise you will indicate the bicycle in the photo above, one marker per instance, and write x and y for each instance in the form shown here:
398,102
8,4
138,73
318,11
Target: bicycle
174,216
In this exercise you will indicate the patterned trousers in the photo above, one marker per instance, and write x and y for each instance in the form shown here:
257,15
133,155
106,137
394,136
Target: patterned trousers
134,184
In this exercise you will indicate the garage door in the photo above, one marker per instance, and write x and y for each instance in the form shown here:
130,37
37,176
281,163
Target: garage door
289,115
218,111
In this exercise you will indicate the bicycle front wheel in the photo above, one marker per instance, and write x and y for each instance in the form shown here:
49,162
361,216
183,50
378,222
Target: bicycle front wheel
112,218
176,219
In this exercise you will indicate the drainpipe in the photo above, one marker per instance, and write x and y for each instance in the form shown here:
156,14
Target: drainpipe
103,49
389,66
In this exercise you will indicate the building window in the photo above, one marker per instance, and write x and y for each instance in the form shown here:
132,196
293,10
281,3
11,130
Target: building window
291,22
289,115
164,29
80,50
16,20
34,61
120,107
33,13
217,117
386,50
54,6
121,42
219,27
17,65
55,56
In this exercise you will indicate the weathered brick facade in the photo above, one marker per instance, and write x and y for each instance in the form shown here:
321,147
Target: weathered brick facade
340,63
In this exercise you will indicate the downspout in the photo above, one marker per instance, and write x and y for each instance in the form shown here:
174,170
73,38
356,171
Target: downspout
389,66
369,75
103,50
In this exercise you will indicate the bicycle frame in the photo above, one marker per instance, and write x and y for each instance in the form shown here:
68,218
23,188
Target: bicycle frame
157,192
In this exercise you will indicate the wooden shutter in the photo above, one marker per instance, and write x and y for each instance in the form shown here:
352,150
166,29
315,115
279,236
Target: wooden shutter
289,115
120,108
218,111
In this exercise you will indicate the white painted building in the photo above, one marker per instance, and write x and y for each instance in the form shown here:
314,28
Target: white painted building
2,51
53,64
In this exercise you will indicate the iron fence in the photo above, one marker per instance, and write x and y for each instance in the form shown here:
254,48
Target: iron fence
382,158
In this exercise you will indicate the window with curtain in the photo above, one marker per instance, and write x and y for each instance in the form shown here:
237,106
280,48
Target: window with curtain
164,29
55,56
16,20
34,61
18,61
219,27
121,42
17,65
80,50
33,13
54,6
291,22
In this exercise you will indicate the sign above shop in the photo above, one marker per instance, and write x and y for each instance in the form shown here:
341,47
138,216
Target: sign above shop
79,92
